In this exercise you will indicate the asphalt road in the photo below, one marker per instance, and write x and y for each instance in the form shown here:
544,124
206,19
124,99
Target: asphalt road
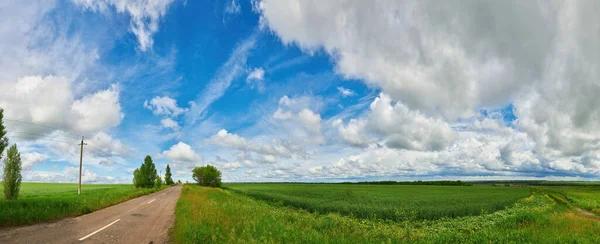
144,219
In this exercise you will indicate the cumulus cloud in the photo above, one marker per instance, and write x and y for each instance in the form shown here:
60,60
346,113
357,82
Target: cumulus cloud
398,126
164,106
298,118
354,133
182,157
50,101
170,124
31,159
279,148
145,15
445,61
182,152
418,59
104,145
70,175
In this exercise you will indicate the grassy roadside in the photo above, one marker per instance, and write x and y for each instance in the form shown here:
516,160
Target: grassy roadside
41,202
220,216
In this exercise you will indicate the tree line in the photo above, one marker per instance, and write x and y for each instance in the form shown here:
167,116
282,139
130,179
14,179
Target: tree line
429,183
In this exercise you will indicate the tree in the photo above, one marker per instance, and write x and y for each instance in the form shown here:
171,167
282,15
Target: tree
207,176
3,138
168,179
158,182
12,173
137,178
178,182
145,176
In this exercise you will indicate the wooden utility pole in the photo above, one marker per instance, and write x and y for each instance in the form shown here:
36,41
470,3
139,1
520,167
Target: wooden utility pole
80,164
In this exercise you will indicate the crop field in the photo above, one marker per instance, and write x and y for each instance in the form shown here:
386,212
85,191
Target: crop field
40,202
393,202
234,216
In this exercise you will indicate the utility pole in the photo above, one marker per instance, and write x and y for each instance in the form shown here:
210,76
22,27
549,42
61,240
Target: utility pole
80,164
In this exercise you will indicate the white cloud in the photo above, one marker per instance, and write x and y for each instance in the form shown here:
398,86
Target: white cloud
268,159
422,61
103,145
398,126
345,92
256,74
164,106
31,159
279,148
50,101
145,15
354,133
170,124
233,8
299,120
98,111
229,71
255,79
70,175
443,61
182,152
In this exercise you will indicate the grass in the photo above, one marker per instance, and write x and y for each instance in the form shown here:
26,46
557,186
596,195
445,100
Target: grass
209,215
392,202
585,197
40,202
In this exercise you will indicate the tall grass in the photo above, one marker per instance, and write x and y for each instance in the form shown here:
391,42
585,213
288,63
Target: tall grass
208,215
41,202
391,202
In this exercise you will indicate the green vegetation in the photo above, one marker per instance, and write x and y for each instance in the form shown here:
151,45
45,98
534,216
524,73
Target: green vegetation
39,202
393,202
12,173
3,138
584,197
213,215
158,183
145,176
429,183
207,176
168,179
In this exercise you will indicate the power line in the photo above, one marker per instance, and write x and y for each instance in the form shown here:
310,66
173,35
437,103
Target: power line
50,127
38,138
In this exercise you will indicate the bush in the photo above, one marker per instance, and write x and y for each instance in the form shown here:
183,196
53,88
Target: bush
158,183
207,176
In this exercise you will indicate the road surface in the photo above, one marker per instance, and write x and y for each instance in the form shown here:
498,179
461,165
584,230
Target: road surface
144,219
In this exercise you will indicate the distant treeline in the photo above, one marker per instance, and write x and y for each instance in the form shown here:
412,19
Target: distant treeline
429,183
537,183
389,182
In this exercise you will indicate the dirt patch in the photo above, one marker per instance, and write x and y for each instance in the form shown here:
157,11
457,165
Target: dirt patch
585,212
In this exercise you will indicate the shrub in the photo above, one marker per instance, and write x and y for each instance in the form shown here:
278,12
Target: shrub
207,176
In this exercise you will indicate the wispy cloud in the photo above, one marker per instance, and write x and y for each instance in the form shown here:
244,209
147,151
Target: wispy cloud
232,69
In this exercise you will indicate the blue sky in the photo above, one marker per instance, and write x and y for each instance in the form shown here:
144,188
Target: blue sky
303,90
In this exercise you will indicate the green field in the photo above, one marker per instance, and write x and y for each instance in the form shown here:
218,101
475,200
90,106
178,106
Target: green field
237,216
40,202
584,197
393,202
